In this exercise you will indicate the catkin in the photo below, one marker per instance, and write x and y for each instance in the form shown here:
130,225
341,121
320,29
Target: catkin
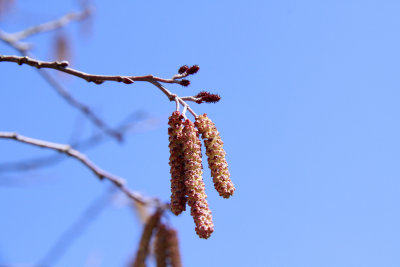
166,247
216,156
161,246
176,162
143,249
195,188
173,248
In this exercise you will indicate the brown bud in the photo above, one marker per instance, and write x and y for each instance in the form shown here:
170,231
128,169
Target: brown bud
193,69
127,80
195,188
97,81
184,83
143,249
207,97
216,156
176,162
183,69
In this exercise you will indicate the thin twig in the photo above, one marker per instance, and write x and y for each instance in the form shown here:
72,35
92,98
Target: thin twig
51,25
65,240
22,48
177,104
190,98
44,161
80,106
98,79
67,150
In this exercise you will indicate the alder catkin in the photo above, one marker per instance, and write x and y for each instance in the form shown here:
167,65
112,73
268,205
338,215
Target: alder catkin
143,249
173,248
176,162
161,246
166,247
195,188
216,156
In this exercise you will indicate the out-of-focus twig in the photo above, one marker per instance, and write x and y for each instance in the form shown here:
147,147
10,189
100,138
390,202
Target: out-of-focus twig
67,150
20,46
144,244
99,79
76,229
45,161
14,41
80,106
51,25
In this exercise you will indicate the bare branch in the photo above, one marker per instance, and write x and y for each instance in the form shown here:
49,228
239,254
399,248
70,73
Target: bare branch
20,46
50,26
98,79
80,106
67,150
14,41
43,161
190,98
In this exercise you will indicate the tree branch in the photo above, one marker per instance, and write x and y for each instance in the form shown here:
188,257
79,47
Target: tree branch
14,41
99,79
51,25
67,150
80,106
43,161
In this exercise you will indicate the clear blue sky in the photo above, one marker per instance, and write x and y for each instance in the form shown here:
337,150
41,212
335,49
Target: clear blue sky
309,116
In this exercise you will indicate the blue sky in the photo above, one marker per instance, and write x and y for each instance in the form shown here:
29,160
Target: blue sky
309,116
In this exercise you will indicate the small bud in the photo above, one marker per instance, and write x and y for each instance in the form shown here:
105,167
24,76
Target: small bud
63,64
193,69
216,156
127,80
207,97
183,69
184,82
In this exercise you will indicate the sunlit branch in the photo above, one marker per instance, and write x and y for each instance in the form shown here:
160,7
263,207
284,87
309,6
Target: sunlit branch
67,150
51,25
98,79
45,161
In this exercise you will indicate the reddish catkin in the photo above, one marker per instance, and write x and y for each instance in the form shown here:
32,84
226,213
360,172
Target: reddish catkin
195,188
166,247
161,246
173,248
143,249
216,156
178,190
